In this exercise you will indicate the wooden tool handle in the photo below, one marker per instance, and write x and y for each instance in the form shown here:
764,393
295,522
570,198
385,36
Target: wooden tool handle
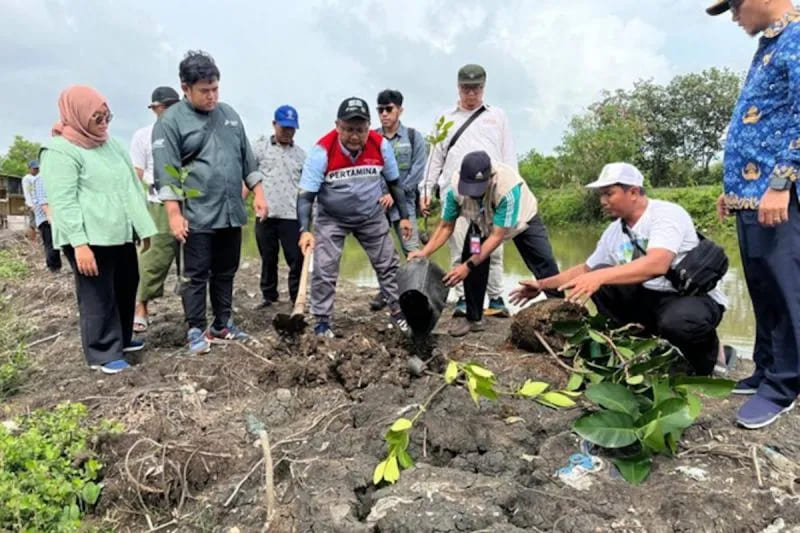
300,302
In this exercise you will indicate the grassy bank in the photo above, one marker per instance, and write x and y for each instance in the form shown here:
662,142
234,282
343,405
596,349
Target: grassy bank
575,205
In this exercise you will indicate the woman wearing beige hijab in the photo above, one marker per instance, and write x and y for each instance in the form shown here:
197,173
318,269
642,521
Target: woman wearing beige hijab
97,207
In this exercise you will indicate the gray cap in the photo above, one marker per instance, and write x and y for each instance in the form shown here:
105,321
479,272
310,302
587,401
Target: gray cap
471,75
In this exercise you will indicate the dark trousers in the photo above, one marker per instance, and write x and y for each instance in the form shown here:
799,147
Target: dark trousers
771,264
688,322
52,256
106,302
533,245
211,260
272,234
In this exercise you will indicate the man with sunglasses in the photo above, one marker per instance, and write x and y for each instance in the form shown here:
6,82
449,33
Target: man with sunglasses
345,173
760,171
155,262
486,129
410,152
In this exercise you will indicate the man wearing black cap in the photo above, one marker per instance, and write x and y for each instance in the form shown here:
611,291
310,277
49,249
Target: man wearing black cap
345,172
476,126
760,172
154,263
498,206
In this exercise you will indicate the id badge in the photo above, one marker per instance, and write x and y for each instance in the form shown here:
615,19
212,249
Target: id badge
474,244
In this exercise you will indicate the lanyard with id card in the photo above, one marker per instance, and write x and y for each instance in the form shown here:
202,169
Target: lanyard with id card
474,240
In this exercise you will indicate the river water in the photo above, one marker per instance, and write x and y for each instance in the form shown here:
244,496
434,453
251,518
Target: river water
571,246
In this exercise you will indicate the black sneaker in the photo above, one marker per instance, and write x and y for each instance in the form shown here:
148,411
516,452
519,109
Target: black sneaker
377,303
399,320
263,304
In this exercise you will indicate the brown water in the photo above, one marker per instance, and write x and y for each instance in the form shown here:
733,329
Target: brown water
571,246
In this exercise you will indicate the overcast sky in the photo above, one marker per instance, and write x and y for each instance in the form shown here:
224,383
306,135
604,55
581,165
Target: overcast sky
546,59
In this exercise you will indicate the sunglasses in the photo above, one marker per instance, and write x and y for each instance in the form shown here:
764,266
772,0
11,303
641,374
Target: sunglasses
103,117
471,88
385,109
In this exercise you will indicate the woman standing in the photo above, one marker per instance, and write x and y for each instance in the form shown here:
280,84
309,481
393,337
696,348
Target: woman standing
96,203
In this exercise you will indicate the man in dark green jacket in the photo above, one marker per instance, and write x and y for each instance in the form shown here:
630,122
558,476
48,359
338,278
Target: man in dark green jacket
206,212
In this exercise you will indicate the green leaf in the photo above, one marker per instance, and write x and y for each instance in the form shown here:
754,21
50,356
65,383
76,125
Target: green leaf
609,429
532,389
451,373
596,337
568,328
713,387
634,470
595,350
672,441
377,475
172,171
401,424
662,391
177,190
558,399
695,406
479,371
472,387
392,472
575,382
635,380
652,436
193,193
614,397
405,459
90,493
485,388
625,353
397,438
644,346
672,414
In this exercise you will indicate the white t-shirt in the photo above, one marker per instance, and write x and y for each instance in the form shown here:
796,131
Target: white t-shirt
27,189
662,225
142,156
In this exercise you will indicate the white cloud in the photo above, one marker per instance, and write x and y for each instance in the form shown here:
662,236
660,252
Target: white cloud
546,59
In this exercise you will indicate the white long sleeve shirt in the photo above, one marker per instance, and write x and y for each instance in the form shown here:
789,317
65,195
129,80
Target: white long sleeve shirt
490,132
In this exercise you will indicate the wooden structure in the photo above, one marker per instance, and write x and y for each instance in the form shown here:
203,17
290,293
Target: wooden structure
12,200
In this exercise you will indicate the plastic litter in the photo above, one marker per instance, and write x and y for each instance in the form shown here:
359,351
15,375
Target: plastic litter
422,295
579,470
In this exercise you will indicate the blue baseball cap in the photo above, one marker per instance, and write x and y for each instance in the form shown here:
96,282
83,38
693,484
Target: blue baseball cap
286,116
33,164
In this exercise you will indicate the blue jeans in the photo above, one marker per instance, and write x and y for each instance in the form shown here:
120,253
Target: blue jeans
771,264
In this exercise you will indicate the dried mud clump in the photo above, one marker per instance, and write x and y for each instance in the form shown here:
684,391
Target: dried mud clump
539,318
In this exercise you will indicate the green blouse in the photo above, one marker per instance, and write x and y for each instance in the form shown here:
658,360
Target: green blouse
94,195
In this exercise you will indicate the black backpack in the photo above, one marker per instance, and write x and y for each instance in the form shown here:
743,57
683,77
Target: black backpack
700,269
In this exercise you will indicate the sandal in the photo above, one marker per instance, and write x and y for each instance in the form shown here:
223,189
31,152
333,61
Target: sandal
140,324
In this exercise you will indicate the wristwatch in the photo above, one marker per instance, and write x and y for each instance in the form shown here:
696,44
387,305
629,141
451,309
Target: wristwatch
780,184
470,264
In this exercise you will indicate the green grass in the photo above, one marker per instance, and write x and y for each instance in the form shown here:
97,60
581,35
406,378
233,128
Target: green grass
12,266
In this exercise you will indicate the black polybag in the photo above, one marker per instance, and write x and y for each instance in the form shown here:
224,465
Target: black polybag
423,295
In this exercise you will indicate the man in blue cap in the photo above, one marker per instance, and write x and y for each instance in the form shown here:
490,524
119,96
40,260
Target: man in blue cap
280,164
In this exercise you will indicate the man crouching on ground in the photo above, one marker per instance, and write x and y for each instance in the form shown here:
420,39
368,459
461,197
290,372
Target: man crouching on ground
344,172
628,285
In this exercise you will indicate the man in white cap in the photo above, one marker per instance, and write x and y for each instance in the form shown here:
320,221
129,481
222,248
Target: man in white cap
624,276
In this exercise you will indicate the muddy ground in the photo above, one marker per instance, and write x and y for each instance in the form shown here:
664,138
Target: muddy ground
326,404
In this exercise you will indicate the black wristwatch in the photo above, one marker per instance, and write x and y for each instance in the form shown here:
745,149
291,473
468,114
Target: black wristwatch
470,264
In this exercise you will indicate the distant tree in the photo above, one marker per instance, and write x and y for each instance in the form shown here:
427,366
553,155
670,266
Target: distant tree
539,171
21,151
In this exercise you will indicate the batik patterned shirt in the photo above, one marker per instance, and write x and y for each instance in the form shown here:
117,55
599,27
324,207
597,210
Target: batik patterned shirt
763,143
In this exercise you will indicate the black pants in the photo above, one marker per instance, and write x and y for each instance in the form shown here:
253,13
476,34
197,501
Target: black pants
211,259
687,322
771,264
106,302
533,245
272,234
52,256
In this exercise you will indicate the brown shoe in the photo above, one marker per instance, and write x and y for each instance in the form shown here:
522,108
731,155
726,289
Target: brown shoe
463,326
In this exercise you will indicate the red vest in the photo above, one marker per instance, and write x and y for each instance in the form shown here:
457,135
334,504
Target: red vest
369,161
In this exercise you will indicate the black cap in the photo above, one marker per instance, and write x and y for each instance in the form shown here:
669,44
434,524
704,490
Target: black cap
476,169
719,8
164,96
353,107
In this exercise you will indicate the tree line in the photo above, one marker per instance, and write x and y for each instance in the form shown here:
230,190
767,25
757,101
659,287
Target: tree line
674,133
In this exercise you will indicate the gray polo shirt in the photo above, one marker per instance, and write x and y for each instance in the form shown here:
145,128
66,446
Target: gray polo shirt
279,169
218,170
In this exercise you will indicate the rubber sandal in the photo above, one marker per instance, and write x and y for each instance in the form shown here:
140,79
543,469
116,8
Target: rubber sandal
140,324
